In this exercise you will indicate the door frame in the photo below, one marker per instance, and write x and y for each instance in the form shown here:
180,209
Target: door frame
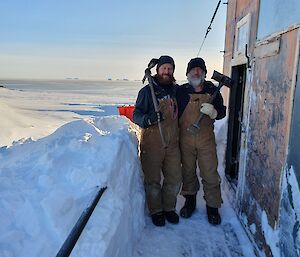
234,134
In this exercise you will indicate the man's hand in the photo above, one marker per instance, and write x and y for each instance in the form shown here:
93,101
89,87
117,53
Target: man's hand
152,119
209,110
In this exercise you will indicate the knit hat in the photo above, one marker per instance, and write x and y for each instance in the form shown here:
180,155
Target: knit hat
165,59
196,62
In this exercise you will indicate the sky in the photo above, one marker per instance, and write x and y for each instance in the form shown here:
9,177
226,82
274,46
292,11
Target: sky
100,39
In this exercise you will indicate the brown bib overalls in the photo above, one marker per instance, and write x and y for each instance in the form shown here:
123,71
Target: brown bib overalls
199,147
155,159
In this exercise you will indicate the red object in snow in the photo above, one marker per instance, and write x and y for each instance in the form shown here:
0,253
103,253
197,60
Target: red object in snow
126,111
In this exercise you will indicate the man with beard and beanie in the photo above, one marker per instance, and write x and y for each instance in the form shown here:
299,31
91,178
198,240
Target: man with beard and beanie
199,147
161,199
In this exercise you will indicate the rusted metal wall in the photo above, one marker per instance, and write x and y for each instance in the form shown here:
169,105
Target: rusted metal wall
236,10
289,221
294,151
268,105
281,14
269,125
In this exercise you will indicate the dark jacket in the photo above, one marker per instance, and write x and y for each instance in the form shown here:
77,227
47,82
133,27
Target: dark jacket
144,107
182,96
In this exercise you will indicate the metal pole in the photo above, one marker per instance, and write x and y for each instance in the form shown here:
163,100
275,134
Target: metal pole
71,240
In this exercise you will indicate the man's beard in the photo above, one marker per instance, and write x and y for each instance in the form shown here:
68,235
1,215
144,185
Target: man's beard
165,80
196,82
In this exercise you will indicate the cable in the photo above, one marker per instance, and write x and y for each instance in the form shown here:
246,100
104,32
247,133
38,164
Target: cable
209,27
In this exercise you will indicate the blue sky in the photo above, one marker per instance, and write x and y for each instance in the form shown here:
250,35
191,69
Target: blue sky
101,39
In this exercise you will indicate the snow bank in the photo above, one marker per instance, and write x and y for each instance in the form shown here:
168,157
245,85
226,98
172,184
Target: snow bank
18,124
46,184
38,113
289,220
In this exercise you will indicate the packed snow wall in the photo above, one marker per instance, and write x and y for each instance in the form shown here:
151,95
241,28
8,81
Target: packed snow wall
46,184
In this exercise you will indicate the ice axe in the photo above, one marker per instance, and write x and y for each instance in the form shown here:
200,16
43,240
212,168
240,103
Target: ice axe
223,81
147,75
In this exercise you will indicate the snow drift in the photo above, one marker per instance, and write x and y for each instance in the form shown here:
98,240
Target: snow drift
46,184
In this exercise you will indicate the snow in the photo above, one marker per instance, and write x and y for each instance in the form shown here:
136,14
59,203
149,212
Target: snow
294,186
46,184
36,108
271,235
292,180
54,159
195,237
289,215
253,228
280,238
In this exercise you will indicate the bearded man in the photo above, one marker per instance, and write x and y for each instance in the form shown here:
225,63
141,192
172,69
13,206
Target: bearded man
155,158
199,148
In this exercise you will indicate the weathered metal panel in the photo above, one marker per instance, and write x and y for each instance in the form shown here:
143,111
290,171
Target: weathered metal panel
235,12
294,147
229,39
230,25
267,49
269,90
290,205
276,15
267,135
269,124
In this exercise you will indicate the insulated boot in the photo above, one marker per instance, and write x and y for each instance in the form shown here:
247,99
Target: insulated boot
213,215
189,206
158,219
172,217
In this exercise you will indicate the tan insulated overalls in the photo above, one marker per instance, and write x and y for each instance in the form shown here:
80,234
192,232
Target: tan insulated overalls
155,159
199,147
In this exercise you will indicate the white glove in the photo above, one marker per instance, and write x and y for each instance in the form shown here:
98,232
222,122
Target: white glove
209,110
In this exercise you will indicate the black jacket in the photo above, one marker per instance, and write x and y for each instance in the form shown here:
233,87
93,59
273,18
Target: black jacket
183,98
144,108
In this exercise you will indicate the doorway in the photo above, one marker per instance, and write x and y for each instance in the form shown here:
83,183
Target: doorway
236,103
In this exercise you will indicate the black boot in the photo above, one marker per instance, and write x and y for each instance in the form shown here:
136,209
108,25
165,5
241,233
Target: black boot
189,206
158,219
213,215
172,217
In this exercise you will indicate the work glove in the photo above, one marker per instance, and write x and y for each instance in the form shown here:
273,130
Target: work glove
152,118
209,110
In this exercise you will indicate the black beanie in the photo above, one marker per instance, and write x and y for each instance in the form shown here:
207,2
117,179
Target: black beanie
196,62
165,59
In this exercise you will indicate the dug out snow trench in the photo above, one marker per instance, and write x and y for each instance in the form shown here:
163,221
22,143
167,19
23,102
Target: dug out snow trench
46,184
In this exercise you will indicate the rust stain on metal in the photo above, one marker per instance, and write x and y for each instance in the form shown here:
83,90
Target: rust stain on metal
269,126
269,115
